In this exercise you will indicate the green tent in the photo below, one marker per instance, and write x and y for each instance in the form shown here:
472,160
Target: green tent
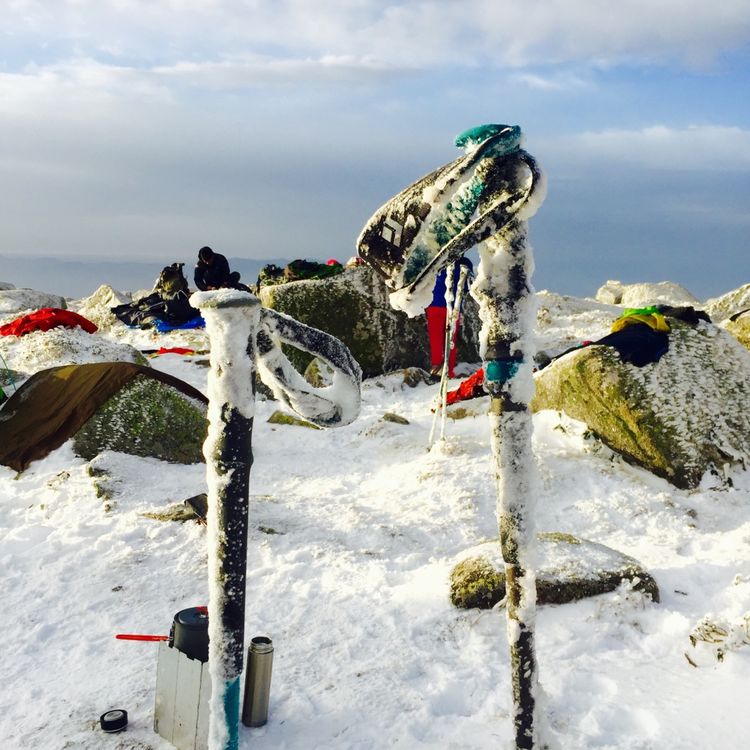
54,404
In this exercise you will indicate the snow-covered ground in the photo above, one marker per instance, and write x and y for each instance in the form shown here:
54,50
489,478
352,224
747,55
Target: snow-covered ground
353,532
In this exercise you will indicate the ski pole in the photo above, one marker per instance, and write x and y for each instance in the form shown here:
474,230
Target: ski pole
506,309
455,314
244,336
446,349
484,199
232,321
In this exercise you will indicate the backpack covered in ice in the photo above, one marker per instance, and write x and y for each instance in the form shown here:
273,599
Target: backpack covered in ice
438,218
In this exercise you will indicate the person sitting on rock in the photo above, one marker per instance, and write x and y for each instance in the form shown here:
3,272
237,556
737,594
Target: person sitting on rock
211,271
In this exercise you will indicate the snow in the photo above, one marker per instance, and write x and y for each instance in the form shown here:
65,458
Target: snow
643,295
353,532
13,300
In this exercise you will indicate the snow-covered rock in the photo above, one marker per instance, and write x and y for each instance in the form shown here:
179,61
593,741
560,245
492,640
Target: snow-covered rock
723,307
642,295
24,300
563,321
97,306
677,417
569,569
354,307
146,418
40,350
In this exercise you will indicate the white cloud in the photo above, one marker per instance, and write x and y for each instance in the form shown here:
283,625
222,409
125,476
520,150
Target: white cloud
560,82
254,71
697,147
423,33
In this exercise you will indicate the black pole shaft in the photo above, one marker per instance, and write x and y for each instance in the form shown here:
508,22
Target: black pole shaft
233,459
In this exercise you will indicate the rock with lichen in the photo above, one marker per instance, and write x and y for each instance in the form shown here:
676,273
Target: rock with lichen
739,327
569,569
678,417
146,418
280,417
353,306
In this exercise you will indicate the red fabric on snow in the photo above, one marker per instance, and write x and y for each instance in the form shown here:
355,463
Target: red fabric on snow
173,350
472,387
44,320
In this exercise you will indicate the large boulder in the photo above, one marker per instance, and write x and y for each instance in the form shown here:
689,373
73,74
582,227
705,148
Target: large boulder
569,569
146,418
354,307
97,307
729,304
25,300
678,417
739,327
41,350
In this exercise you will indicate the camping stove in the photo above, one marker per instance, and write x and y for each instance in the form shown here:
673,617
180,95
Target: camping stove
183,683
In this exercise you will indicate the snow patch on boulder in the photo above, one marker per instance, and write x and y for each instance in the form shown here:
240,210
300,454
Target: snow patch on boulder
724,307
16,301
644,294
40,350
678,417
97,306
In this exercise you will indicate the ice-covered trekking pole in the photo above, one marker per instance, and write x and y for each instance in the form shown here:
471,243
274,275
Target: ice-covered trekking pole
447,330
243,334
452,314
506,306
484,198
455,314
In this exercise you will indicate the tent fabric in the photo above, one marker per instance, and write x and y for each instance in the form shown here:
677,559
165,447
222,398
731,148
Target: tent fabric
52,405
46,319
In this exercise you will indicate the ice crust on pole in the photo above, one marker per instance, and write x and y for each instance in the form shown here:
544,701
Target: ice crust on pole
242,332
484,198
231,322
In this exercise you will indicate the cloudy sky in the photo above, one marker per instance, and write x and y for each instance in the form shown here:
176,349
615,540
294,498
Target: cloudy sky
266,129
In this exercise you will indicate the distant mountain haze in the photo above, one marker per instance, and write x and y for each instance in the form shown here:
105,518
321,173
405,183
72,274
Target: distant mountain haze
80,277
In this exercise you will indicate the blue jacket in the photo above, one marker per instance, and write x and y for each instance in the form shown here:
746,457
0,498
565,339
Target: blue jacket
438,291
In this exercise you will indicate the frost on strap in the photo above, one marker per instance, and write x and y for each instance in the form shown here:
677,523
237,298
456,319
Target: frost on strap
434,221
331,406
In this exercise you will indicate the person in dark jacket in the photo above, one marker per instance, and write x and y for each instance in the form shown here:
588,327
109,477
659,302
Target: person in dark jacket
235,283
211,271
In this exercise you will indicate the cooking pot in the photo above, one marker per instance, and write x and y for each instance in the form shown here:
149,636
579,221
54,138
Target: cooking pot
189,633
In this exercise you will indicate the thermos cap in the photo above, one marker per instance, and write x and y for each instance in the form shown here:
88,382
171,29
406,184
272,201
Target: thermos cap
261,644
